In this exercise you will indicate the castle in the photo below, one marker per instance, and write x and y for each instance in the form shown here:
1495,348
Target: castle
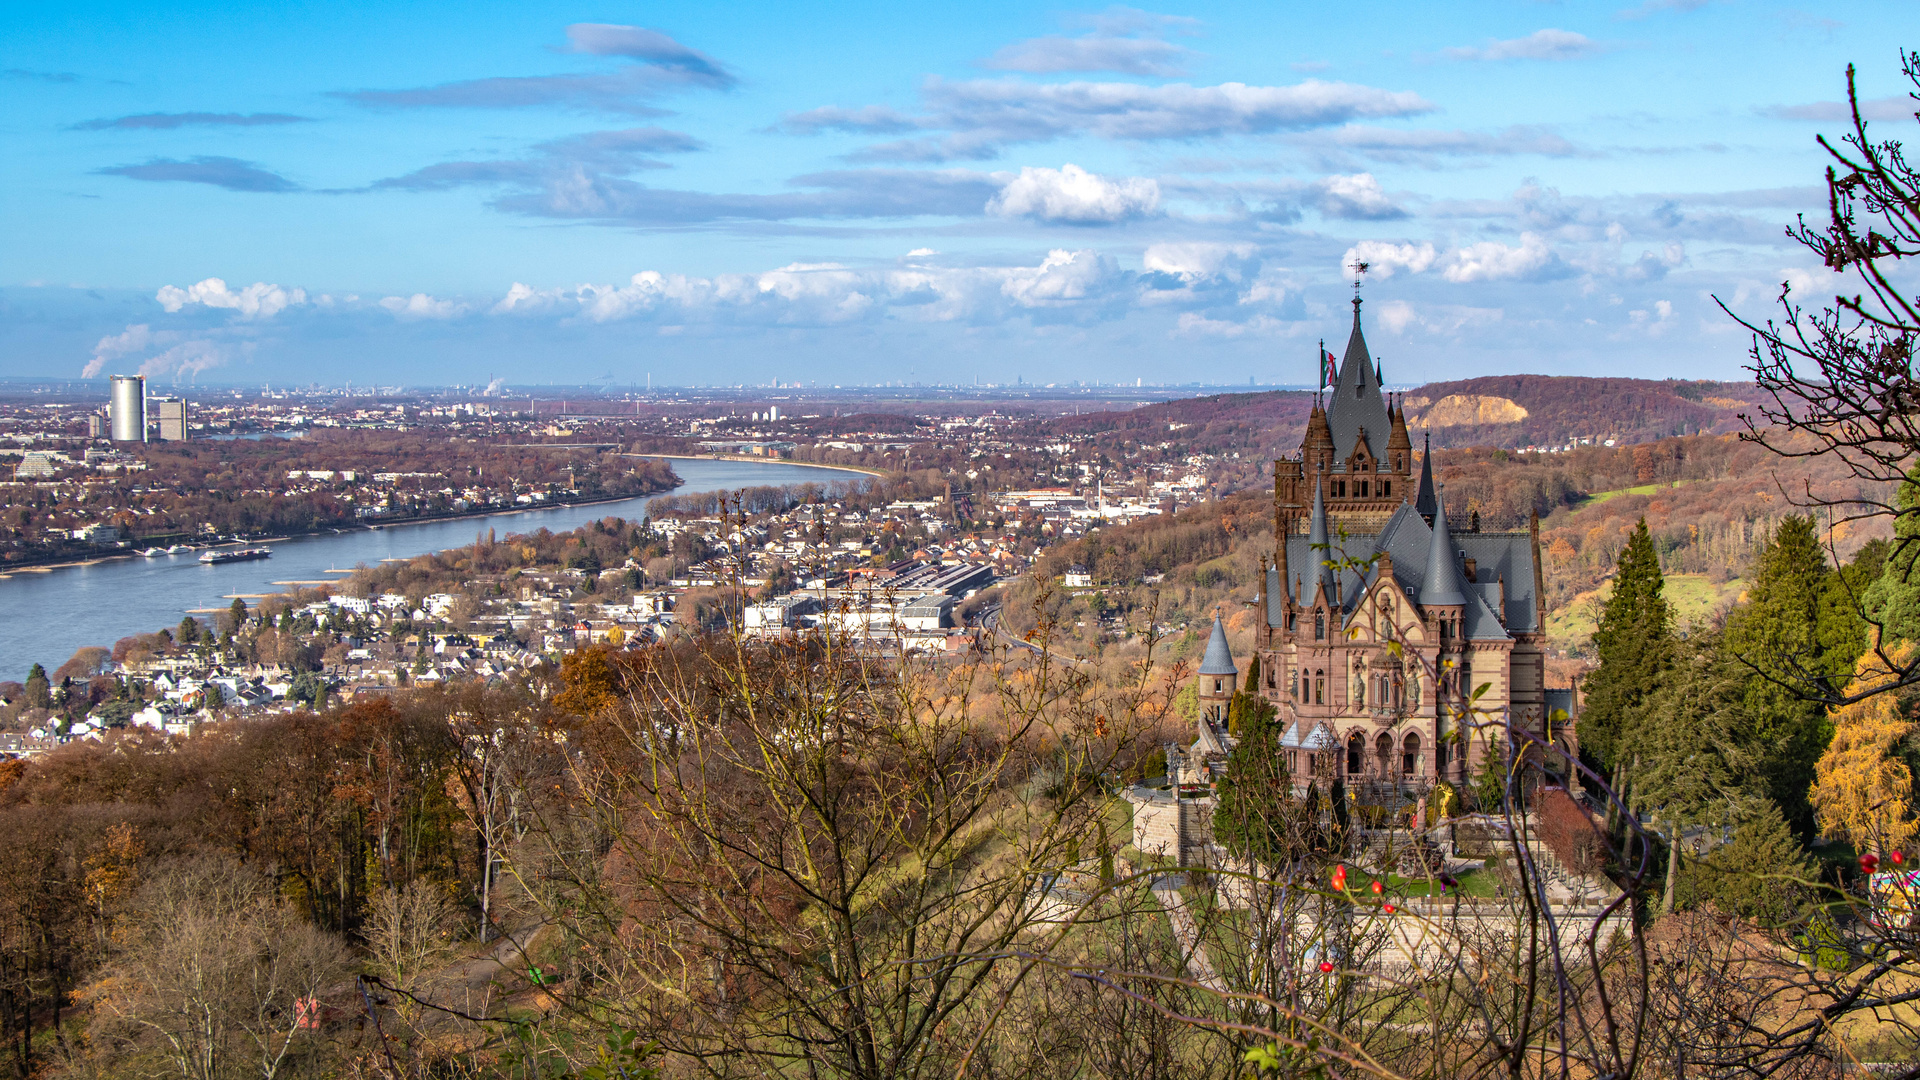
1381,617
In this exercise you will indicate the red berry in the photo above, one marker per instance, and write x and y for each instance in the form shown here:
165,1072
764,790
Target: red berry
1339,884
1388,909
1340,871
1326,966
1898,857
1378,888
1868,862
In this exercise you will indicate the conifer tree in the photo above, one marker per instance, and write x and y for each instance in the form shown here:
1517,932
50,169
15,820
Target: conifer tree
1893,600
1257,817
1777,636
1634,640
39,690
1253,674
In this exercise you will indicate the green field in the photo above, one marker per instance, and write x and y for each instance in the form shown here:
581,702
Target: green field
1603,496
1692,597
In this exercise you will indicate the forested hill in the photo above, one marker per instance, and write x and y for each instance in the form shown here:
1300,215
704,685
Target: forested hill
1551,410
1511,411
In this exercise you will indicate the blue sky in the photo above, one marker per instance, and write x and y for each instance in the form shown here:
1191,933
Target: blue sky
717,194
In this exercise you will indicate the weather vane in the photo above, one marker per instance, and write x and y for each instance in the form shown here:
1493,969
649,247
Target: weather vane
1360,268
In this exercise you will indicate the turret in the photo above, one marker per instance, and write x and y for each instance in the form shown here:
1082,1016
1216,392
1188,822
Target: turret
1321,552
1442,587
1218,677
1424,502
1399,444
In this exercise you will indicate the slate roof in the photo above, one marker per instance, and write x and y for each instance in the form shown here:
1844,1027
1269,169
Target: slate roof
1408,540
1356,402
1219,658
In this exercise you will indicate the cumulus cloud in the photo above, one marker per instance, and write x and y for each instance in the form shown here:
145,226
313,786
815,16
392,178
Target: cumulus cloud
1071,195
1199,259
221,172
1065,284
257,301
1357,197
168,121
1491,260
422,306
662,64
1539,45
1488,260
1384,258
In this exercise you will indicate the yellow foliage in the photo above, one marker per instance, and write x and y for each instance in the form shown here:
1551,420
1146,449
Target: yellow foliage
1861,788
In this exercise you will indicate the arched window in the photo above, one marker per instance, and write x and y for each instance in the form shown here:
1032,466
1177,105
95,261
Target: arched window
1360,488
1319,626
1356,753
1386,489
1216,685
1319,687
1383,755
1411,763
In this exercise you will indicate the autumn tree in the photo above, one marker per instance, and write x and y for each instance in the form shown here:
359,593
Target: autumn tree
1863,790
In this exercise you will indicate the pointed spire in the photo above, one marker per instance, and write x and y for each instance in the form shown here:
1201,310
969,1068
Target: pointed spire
1219,658
1442,586
1321,551
1424,502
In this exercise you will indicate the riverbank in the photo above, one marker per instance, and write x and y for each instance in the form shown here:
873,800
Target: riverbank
326,530
753,460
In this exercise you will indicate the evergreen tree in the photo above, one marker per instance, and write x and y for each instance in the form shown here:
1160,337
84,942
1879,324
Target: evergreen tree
189,631
1893,600
1761,874
39,690
1777,636
1257,817
1634,641
1253,674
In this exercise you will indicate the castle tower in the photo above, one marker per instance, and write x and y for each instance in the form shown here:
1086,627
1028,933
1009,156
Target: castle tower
1218,679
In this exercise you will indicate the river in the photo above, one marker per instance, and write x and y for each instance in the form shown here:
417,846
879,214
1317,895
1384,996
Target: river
46,616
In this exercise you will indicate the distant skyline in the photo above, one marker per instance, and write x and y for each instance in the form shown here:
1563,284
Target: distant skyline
432,194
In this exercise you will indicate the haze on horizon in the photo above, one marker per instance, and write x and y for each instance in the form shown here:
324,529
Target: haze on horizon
433,193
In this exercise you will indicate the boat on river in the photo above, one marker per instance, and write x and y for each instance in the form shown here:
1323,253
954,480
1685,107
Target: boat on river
154,552
215,558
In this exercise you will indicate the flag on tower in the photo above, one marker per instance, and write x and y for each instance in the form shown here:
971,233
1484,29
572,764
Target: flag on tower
1328,373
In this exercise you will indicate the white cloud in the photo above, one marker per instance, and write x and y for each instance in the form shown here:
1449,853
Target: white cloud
1539,45
1491,260
1194,324
1073,196
257,301
1442,319
1383,258
422,306
1356,197
826,294
1198,259
919,253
